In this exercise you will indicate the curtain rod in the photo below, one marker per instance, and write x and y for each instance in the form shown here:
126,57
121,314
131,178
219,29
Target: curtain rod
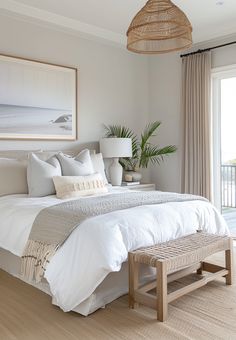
207,49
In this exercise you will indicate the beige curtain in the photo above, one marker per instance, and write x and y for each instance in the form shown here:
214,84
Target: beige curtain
196,104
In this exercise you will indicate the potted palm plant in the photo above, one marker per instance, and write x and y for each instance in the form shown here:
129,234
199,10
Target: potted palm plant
144,152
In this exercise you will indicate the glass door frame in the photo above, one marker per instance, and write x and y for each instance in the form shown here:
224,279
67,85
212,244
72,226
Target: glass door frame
218,74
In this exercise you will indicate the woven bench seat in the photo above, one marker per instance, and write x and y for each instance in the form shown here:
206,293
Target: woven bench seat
173,260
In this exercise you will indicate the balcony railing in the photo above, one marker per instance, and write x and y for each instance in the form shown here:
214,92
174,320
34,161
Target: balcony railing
228,180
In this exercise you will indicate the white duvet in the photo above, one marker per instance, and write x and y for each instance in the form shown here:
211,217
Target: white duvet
101,244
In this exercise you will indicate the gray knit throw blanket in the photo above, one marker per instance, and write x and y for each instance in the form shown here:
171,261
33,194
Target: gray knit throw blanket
54,224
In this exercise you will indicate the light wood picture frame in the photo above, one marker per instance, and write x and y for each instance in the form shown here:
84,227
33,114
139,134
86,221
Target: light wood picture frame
38,100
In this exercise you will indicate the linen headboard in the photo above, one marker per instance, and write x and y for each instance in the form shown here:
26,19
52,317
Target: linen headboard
72,151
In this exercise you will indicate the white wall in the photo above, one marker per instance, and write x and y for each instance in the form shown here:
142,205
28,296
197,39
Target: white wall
165,90
113,83
115,86
165,105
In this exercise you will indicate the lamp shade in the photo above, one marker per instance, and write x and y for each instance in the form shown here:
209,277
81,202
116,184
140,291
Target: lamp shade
159,27
116,147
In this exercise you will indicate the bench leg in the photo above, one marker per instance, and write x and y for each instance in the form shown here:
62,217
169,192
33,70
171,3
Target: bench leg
133,279
162,304
229,264
199,270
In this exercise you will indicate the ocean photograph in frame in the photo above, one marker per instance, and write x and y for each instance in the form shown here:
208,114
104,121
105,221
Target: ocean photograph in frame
37,100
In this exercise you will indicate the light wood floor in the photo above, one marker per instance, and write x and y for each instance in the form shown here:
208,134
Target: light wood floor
27,314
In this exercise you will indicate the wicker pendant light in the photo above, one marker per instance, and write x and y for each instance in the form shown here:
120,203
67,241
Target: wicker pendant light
159,27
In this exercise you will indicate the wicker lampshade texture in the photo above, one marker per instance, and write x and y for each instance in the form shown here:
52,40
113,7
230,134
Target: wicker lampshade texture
159,27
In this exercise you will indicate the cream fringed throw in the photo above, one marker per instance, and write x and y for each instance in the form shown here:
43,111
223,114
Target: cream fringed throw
53,225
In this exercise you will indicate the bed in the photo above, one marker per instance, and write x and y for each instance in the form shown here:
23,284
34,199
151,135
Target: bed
90,269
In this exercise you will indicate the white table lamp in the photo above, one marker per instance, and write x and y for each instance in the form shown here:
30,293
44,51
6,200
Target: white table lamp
116,148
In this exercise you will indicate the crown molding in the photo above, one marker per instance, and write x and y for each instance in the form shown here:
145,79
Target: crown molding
32,14
223,33
211,42
44,18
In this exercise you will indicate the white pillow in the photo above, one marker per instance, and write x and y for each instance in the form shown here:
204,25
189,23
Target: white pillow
81,165
40,174
13,177
98,165
45,155
77,186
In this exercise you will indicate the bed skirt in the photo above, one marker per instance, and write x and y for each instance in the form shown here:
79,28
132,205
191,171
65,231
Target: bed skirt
114,285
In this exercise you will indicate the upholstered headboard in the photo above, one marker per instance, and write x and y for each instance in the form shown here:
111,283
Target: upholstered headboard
73,150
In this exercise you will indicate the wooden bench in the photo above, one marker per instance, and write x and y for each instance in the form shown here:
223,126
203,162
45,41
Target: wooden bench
174,260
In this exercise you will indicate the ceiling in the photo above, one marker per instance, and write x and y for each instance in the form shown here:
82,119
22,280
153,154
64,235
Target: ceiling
109,19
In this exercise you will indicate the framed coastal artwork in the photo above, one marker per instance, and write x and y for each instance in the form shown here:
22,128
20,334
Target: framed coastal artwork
37,100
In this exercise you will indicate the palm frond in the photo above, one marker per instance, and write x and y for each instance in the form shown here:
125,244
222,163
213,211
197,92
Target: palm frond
149,132
155,155
143,151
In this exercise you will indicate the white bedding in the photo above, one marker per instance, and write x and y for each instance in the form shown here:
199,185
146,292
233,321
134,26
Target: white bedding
100,244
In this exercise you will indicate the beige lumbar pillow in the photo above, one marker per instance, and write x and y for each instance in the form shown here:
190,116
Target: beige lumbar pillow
13,177
76,186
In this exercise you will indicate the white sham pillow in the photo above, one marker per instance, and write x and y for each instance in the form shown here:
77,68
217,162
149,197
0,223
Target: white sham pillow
81,165
77,186
13,177
98,165
45,155
40,176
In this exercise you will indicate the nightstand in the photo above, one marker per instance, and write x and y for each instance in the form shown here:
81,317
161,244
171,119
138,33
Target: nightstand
141,187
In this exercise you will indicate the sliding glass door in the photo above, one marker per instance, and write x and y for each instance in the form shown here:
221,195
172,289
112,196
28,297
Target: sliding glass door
224,143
